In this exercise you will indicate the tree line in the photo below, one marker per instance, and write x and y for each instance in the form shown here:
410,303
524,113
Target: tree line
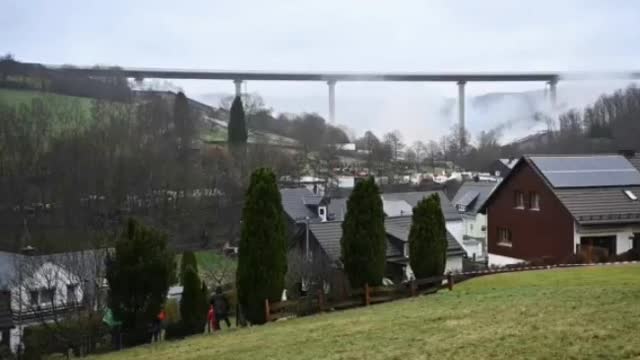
610,124
75,169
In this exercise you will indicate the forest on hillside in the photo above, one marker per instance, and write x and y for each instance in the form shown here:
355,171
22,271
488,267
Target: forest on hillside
73,167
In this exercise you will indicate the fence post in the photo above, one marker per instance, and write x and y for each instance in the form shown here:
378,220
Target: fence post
321,300
412,288
450,281
367,299
267,311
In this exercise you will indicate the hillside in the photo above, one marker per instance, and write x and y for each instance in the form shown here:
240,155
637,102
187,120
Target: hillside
570,313
56,104
215,132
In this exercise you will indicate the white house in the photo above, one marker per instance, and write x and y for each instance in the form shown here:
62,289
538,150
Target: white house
468,199
47,287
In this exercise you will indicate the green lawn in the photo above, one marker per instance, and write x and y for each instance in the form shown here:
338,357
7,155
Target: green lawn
555,314
214,267
17,97
65,112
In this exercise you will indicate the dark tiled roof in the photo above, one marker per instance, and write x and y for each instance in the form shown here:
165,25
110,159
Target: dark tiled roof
601,205
338,207
293,203
399,228
328,235
590,204
635,161
482,188
414,197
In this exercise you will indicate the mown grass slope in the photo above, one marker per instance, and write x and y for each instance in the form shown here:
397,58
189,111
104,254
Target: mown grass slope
557,314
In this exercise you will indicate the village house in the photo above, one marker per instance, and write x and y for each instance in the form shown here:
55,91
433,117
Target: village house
502,167
468,200
316,224
556,206
37,289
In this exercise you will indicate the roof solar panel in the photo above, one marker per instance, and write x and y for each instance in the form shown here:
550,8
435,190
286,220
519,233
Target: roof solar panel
587,171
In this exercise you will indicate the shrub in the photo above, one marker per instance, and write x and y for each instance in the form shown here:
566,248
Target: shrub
631,255
542,261
176,331
172,310
5,353
88,334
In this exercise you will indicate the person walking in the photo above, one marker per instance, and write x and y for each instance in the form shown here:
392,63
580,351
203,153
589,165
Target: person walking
211,320
221,306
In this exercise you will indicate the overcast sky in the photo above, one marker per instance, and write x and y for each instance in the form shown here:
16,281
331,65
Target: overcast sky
338,35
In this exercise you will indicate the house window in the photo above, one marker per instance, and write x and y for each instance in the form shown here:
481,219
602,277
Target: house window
406,249
47,295
471,227
519,200
71,293
504,237
34,299
534,201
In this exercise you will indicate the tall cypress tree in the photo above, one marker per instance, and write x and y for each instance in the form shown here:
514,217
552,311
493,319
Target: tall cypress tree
428,238
188,259
363,240
237,129
192,312
262,258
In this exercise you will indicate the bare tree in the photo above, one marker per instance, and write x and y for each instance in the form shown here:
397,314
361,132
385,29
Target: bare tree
308,274
394,140
63,293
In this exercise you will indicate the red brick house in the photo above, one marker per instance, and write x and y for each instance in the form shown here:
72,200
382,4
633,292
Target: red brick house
551,206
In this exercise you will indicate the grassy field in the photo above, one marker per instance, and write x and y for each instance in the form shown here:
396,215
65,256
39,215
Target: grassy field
211,263
556,314
17,97
65,112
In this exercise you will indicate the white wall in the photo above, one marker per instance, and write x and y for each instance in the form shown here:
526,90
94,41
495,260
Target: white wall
454,264
47,275
499,260
623,234
473,225
456,228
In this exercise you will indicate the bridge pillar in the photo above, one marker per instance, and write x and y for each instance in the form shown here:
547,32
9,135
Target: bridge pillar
552,94
332,100
461,124
238,84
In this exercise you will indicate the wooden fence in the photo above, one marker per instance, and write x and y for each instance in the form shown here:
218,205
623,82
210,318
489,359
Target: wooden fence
365,296
369,295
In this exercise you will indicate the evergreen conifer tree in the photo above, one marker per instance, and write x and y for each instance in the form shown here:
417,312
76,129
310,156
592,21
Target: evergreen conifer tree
262,258
363,242
428,239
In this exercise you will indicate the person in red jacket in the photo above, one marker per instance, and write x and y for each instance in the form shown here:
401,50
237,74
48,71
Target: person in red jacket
211,320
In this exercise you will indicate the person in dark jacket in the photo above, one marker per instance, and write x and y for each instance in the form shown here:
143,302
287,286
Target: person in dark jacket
221,306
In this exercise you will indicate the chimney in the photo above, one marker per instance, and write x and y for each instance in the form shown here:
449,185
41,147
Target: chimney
628,153
322,213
